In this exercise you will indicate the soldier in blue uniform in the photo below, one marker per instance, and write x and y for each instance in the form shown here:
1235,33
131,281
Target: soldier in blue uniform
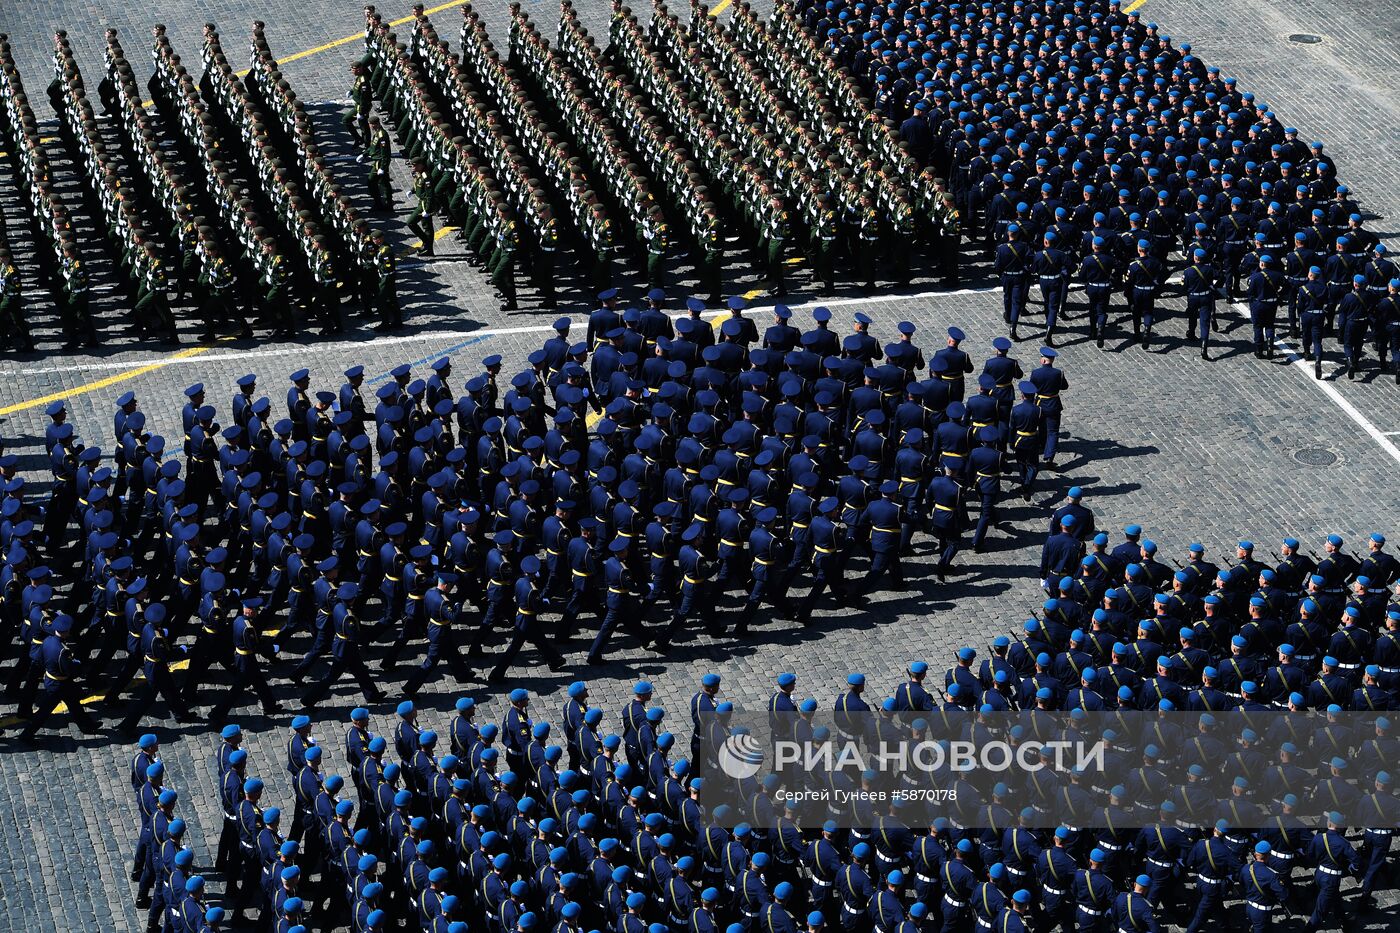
1262,889
1013,265
247,647
60,668
345,651
529,602
1265,290
1143,279
1049,382
440,613
1132,910
1332,858
1052,269
1199,284
621,601
1027,439
1099,273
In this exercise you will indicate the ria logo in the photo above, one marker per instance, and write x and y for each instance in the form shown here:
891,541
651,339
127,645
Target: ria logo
741,756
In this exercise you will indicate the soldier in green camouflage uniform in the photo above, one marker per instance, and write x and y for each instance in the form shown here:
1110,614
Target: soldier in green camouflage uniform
943,210
356,119
386,295
776,236
421,220
868,249
76,310
653,233
902,236
13,328
153,307
501,267
826,228
378,153
277,300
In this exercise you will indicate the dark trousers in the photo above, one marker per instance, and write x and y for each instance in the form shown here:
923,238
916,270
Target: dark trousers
693,596
208,649
949,543
24,682
1262,317
621,611
54,693
1200,315
580,600
1050,421
1098,309
1142,302
882,562
441,647
1013,298
1053,295
985,516
1028,465
348,661
320,642
762,588
1329,900
826,574
1210,908
159,684
228,845
246,674
1355,338
1312,322
528,632
498,609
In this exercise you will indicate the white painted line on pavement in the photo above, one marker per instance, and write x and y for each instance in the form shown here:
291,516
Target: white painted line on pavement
1295,358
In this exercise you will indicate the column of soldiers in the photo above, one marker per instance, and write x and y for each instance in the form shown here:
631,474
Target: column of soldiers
884,209
748,468
1115,177
194,245
14,330
495,143
65,269
178,100
286,273
871,145
520,825
553,156
747,194
778,189
118,206
341,251
664,155
624,183
430,144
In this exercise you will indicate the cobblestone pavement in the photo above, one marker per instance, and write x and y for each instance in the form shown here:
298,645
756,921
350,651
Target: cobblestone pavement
1191,449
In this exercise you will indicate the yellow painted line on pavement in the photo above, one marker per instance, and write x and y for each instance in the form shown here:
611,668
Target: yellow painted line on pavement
418,244
104,382
1133,6
720,7
346,40
9,721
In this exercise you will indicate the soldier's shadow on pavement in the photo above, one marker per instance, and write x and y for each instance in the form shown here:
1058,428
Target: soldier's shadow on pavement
1095,450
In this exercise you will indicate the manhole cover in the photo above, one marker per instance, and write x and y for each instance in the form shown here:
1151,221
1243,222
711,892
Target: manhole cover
1304,38
1315,456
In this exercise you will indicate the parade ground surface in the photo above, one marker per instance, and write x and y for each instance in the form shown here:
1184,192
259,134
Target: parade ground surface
1193,450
